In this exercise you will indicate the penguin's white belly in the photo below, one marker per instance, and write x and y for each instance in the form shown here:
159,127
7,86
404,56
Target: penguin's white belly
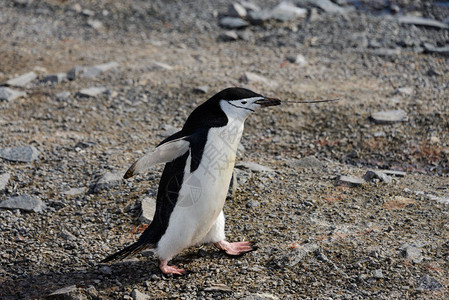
203,192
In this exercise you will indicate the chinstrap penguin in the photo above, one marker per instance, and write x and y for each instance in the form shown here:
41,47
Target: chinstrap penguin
199,161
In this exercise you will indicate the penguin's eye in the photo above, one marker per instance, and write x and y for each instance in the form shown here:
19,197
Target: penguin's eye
243,102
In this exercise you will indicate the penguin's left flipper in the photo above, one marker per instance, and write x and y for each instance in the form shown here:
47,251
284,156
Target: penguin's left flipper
163,153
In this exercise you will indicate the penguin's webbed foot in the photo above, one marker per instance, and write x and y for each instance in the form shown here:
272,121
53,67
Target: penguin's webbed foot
237,248
166,269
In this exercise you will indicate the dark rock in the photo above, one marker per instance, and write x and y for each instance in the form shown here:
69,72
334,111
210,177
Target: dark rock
75,72
55,78
371,174
24,202
20,154
233,23
10,94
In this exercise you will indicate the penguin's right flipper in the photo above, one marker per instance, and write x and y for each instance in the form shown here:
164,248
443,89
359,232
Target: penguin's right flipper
163,153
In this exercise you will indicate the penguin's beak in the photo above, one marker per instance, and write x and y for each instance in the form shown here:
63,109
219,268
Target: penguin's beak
268,102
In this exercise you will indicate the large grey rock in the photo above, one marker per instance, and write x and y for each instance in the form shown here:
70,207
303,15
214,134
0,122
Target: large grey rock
24,202
98,69
108,180
233,23
389,116
429,284
4,178
20,154
412,253
147,210
371,174
23,80
10,94
137,295
420,21
253,166
92,92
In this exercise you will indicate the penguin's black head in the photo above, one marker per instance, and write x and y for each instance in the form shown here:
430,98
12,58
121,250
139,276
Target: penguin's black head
243,101
230,103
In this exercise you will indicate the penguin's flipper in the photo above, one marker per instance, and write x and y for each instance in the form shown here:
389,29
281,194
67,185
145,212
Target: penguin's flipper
165,152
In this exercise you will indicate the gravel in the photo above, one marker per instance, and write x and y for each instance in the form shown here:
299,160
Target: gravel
316,239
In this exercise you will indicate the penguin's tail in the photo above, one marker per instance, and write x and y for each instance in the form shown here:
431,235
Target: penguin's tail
128,251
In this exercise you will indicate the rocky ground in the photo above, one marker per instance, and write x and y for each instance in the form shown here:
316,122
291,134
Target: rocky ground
349,199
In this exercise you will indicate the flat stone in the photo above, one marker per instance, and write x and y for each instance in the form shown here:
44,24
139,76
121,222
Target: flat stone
228,36
351,181
92,92
442,200
427,283
4,178
218,287
249,6
371,174
108,180
23,80
98,69
233,23
330,7
310,162
23,202
95,24
438,50
137,295
65,293
10,94
253,167
389,116
20,154
286,11
203,89
237,10
55,78
384,51
299,253
74,191
259,17
249,77
420,21
76,72
394,173
156,65
404,91
147,210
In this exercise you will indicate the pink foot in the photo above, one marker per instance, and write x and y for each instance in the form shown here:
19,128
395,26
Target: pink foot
166,269
237,248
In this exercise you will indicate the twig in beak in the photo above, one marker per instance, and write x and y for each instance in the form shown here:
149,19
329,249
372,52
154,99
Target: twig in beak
312,101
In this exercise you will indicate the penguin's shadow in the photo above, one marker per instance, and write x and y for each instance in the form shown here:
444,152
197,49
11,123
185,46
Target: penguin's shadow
101,276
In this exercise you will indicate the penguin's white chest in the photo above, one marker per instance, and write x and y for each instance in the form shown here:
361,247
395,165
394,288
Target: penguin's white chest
203,191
